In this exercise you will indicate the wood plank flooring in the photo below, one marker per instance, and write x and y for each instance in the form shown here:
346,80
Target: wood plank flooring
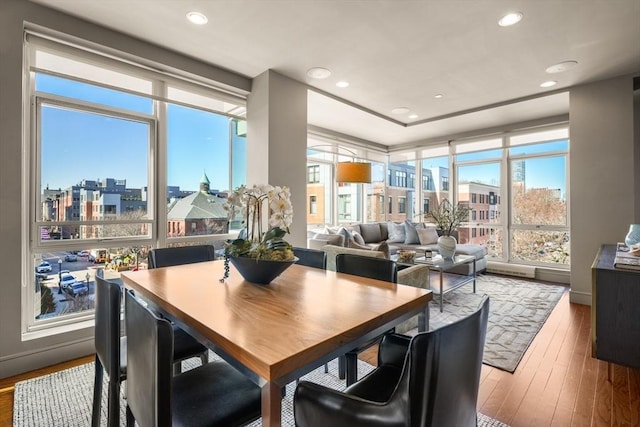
557,383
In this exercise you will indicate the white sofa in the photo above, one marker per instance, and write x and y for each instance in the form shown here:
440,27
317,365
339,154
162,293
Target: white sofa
373,234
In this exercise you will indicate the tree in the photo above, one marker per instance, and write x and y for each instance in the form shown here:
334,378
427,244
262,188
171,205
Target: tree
540,207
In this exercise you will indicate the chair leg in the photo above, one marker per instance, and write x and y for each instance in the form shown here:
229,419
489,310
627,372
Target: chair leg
204,357
351,362
114,403
97,393
341,368
130,420
326,368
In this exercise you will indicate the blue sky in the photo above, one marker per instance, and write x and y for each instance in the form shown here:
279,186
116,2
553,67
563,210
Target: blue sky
80,145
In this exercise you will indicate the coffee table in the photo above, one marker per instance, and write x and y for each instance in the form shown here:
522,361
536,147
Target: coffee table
448,281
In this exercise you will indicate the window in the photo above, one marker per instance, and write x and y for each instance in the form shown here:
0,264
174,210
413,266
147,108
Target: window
313,174
401,179
402,205
445,183
538,183
101,151
473,198
425,206
344,207
313,205
390,204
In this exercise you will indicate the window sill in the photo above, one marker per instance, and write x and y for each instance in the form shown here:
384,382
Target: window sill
44,332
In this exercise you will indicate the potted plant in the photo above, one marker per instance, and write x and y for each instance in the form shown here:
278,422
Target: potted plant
260,256
447,218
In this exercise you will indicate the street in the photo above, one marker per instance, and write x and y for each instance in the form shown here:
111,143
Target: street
83,271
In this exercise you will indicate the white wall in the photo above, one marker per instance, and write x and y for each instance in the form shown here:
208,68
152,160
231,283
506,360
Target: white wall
277,140
602,174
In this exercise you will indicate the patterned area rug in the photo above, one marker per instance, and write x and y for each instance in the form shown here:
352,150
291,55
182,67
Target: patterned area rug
64,398
517,311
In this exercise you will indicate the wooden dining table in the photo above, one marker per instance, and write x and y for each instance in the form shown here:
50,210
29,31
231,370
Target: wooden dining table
278,332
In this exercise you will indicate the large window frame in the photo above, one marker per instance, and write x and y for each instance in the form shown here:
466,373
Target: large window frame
160,88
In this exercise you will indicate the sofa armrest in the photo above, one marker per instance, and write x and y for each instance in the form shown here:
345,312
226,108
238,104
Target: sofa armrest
320,240
332,251
416,276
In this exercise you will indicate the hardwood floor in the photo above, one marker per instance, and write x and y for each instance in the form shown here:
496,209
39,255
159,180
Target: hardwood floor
557,383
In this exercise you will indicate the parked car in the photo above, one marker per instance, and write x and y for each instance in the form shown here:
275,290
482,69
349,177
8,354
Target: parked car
66,280
77,288
71,257
43,267
87,255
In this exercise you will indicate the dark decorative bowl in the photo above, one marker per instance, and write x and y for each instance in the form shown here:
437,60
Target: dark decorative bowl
261,271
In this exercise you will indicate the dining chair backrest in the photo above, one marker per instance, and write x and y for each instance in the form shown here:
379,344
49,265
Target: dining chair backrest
311,257
429,380
373,268
442,374
167,257
108,303
149,364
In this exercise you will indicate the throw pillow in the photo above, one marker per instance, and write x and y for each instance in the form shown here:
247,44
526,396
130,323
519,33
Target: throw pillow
356,245
358,238
328,230
427,236
330,239
411,234
347,235
371,232
382,247
396,232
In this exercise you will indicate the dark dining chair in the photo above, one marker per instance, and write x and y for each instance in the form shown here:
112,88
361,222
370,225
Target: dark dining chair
111,349
178,255
311,257
215,394
373,268
429,380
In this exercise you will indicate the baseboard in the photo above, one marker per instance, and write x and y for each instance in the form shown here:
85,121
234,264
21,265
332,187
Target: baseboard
553,275
583,298
29,360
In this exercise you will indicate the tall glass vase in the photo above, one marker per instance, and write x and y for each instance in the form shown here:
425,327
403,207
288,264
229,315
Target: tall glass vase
633,236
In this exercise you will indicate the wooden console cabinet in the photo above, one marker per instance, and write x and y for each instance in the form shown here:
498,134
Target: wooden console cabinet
615,311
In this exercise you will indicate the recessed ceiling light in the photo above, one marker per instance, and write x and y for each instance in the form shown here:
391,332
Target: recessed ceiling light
342,84
318,73
400,110
197,18
413,116
438,96
561,67
548,83
510,19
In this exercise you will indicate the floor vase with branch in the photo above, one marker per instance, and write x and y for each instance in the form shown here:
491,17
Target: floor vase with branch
447,218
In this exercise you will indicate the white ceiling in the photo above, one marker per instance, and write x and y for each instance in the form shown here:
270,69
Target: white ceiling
398,53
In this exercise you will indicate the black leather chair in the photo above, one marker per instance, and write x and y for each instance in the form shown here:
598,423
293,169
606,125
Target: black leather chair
431,379
111,349
166,257
373,268
178,255
215,394
311,257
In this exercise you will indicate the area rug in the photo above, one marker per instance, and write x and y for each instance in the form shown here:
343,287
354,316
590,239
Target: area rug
517,310
64,398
